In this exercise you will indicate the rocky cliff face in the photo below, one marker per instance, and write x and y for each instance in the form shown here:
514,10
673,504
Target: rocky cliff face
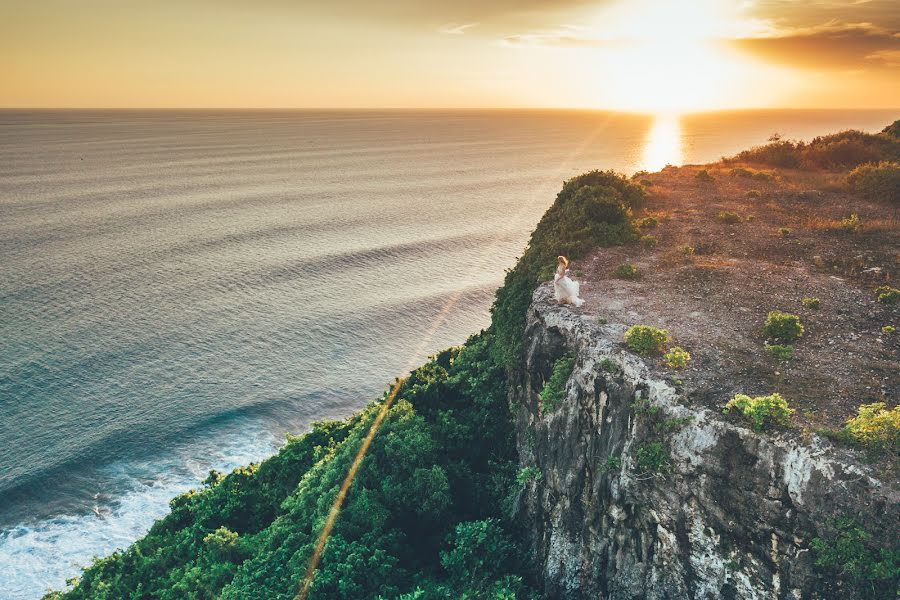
643,496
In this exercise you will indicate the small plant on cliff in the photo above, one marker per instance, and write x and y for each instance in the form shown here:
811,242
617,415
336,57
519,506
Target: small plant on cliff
874,428
627,271
783,327
703,175
649,240
677,358
646,340
848,553
554,391
687,250
613,463
811,303
728,217
887,294
653,457
850,224
761,411
608,365
780,351
526,475
646,223
888,329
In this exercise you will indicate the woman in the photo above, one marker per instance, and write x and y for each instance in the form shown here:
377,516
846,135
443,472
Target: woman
564,289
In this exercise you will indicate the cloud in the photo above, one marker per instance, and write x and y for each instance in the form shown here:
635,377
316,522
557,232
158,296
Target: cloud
563,35
455,29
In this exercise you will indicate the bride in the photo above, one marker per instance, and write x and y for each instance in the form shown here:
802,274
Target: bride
564,289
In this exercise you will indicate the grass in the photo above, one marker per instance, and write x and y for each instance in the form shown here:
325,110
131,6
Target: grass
761,411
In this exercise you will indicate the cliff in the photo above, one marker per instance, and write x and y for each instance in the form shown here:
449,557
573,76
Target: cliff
733,513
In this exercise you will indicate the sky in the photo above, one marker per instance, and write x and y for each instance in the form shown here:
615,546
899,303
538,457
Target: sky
640,55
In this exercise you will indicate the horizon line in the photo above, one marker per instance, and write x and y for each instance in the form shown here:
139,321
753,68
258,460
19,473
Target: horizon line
440,108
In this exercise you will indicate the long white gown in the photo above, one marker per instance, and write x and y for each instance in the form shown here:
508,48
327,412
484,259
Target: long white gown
565,289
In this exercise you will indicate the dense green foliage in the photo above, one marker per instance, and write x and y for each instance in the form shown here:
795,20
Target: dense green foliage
875,428
592,210
646,340
423,513
886,294
554,390
781,351
843,150
677,358
783,327
762,411
811,303
848,555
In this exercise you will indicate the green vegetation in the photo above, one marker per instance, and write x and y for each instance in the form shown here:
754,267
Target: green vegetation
592,210
554,390
653,457
850,224
783,327
703,175
741,172
687,250
811,303
608,365
874,428
649,240
887,294
645,340
677,358
424,511
754,194
646,223
627,271
613,463
728,217
784,231
877,181
781,351
847,554
761,411
526,475
761,176
843,150
888,329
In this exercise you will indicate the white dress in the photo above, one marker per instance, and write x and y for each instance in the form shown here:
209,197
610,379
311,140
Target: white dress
566,290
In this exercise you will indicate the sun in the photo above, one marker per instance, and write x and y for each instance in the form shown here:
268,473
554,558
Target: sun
667,56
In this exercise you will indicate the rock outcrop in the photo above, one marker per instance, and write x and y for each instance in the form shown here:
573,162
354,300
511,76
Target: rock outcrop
726,513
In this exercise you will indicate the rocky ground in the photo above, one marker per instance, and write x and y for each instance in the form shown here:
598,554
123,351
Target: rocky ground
789,244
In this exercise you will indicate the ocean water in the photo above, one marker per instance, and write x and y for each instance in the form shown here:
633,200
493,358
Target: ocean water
178,289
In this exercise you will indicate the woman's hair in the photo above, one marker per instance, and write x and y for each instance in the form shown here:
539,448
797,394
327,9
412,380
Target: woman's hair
563,260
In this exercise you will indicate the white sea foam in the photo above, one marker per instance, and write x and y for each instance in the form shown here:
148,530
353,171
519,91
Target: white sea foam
37,557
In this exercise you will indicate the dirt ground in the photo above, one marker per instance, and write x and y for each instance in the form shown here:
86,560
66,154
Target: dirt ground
714,302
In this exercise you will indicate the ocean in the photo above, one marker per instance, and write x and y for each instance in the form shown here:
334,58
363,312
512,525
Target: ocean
179,289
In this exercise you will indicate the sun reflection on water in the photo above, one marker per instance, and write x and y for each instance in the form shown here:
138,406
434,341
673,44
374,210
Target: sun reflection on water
664,144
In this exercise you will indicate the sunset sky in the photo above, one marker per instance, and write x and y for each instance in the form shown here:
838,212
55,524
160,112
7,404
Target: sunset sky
642,55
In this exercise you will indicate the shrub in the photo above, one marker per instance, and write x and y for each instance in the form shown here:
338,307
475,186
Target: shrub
847,552
760,176
811,303
646,222
741,172
844,150
749,218
646,182
480,552
602,321
646,340
703,175
728,217
850,224
608,365
649,240
784,231
526,475
677,358
783,327
888,329
687,250
887,294
892,130
554,391
627,271
754,194
761,411
640,174
653,457
875,428
781,351
613,463
779,153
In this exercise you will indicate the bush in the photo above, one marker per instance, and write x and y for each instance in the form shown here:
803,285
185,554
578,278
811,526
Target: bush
887,294
879,181
653,457
649,241
888,329
554,390
811,303
627,271
848,553
703,175
645,340
741,172
646,223
781,351
875,428
784,231
528,474
754,194
850,224
783,327
843,150
677,358
760,176
687,250
646,182
728,217
892,130
761,411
